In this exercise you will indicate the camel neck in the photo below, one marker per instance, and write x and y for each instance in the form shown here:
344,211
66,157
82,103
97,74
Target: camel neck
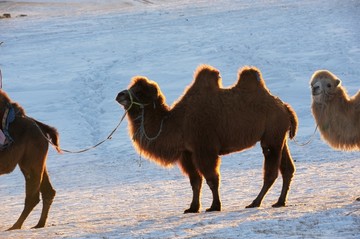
150,131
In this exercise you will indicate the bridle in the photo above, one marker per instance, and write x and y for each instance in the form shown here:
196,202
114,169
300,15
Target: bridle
141,131
132,102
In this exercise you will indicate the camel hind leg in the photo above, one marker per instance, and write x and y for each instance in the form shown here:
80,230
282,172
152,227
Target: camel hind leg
32,189
287,169
48,194
272,156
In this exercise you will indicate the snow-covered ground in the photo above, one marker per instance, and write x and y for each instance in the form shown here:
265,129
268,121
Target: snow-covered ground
66,61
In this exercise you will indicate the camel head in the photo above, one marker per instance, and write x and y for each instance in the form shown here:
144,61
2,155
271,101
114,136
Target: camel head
324,85
141,93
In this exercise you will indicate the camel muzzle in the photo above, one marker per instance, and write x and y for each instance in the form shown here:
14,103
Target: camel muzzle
123,98
316,89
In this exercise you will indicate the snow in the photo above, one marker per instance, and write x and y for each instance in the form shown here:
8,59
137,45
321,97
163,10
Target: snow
66,61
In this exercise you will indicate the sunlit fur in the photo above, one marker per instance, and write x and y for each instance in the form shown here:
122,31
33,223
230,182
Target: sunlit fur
337,114
208,121
29,151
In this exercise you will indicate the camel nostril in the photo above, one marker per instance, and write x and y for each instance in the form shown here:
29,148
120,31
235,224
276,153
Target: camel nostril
315,89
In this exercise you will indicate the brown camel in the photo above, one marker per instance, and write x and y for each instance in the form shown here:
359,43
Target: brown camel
335,112
28,150
209,121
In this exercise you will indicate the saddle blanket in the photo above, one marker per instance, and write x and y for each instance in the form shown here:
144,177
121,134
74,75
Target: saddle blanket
2,138
9,117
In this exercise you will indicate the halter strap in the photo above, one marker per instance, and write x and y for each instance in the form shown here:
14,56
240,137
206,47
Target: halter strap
132,102
142,130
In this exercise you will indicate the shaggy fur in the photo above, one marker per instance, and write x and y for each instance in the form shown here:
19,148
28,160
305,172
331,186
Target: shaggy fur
337,115
29,151
209,121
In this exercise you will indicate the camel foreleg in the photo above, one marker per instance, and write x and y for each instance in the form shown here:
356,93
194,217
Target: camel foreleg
196,184
214,183
189,168
210,169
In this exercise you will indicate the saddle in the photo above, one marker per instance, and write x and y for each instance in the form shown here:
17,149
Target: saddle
9,117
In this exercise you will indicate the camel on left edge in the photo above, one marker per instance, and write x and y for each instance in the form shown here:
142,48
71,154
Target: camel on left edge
24,144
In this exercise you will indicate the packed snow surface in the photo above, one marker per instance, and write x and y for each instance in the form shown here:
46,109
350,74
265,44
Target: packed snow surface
65,61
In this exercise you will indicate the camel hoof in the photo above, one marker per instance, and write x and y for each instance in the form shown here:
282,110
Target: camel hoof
279,205
191,210
252,205
38,226
13,228
213,209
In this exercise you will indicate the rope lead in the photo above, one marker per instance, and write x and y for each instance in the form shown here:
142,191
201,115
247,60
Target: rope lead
309,140
82,150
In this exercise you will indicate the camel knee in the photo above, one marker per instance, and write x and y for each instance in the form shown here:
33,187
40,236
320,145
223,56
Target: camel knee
196,183
287,167
288,171
48,196
47,191
211,175
270,176
213,182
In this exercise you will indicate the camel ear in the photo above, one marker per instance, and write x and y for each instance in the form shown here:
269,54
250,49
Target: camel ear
337,82
154,91
258,77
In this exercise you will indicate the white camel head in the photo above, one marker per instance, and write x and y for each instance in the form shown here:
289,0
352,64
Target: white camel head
324,85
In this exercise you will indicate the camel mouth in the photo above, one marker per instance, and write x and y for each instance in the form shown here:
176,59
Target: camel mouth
316,93
123,103
317,97
316,89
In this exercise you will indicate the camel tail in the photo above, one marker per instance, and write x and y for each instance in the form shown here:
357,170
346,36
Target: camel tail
51,133
293,121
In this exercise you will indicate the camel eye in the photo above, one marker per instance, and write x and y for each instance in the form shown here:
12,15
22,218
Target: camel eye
328,85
